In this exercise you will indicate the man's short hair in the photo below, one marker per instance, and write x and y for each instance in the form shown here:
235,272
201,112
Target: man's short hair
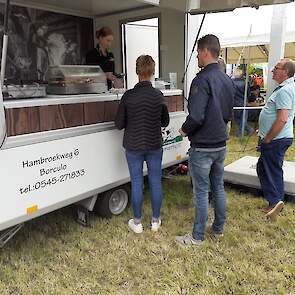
289,66
238,73
211,43
145,66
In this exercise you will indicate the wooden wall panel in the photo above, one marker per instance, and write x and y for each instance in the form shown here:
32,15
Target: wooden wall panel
110,110
43,118
94,112
22,120
50,117
179,103
172,103
72,114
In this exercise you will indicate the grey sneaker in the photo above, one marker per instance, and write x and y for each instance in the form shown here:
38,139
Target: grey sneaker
212,233
188,240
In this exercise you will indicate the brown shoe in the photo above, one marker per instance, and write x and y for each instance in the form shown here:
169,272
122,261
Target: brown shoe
275,210
266,209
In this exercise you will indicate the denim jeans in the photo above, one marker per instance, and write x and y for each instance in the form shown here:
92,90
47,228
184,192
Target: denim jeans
269,169
206,169
153,160
239,120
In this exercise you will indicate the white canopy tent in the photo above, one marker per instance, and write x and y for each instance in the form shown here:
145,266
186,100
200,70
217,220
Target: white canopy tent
249,27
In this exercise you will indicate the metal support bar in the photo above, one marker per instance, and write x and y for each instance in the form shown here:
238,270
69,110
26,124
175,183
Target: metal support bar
3,58
263,50
9,233
2,73
5,42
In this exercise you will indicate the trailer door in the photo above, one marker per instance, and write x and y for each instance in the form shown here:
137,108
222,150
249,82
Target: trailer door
139,37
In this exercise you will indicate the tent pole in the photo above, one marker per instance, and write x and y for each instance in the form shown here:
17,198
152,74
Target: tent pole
246,87
277,42
246,93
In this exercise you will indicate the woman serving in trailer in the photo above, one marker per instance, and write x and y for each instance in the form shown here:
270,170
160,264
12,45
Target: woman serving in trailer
101,54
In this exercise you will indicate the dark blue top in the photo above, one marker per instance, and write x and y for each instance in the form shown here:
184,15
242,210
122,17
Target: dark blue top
142,112
240,91
210,107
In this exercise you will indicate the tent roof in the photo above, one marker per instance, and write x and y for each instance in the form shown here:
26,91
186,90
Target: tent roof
247,26
258,53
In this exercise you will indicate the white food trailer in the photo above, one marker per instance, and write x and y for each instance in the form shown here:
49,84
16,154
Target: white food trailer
63,149
60,150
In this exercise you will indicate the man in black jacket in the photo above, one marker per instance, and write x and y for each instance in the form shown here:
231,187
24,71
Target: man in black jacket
210,107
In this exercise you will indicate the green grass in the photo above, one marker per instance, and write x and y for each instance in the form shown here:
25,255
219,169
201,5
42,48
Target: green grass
54,255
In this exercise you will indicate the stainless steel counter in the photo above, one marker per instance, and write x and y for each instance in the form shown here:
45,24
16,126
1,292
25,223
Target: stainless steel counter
71,99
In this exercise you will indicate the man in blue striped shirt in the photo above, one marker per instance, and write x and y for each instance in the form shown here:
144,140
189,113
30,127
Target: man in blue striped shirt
276,136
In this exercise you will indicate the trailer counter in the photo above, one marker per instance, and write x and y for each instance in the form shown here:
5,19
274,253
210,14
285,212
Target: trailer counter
59,116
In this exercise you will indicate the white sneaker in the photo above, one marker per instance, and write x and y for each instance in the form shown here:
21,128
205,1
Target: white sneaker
156,225
137,228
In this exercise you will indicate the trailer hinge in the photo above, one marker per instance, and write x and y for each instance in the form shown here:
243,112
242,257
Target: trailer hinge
82,215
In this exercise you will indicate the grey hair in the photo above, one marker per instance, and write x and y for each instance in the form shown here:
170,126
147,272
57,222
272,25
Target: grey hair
289,66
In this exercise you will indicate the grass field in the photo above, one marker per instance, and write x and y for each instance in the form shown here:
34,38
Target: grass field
55,255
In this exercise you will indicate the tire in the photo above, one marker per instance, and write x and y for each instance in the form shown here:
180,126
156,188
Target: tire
112,202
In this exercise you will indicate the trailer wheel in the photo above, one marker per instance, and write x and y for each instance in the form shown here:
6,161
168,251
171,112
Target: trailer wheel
112,202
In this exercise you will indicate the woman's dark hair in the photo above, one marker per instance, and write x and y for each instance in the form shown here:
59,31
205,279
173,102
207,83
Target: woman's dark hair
104,31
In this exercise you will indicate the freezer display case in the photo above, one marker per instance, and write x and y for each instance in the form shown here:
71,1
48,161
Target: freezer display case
75,79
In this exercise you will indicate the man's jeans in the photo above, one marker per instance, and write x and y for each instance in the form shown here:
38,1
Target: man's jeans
153,160
239,120
269,169
206,169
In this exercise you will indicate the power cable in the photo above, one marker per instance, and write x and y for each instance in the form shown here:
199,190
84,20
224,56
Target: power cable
193,49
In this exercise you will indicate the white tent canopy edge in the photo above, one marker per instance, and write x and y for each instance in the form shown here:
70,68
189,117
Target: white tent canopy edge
93,7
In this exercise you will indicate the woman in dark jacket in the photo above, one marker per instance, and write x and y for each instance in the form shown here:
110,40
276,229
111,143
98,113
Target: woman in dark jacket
142,113
101,55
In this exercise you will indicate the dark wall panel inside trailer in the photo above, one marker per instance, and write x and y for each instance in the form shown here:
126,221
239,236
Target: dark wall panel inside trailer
39,38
